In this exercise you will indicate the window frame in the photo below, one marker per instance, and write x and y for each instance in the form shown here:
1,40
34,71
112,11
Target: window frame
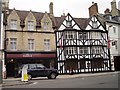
13,24
47,44
83,50
94,24
30,25
70,35
31,44
46,25
68,23
71,50
13,44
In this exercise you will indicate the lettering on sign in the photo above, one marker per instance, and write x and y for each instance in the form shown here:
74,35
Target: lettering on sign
27,55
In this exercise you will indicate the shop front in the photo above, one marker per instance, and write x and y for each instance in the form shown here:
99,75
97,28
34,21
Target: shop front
15,60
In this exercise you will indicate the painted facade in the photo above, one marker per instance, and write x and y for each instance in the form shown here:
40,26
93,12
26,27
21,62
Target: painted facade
82,47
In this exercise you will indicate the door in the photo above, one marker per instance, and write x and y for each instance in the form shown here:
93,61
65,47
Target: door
10,69
41,70
117,63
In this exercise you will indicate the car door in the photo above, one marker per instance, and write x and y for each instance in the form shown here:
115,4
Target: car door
41,70
32,69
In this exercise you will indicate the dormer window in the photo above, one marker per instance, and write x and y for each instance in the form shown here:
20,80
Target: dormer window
46,25
94,24
30,25
68,23
13,24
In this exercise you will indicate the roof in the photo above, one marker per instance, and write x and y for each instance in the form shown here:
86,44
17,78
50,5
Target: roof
56,21
82,22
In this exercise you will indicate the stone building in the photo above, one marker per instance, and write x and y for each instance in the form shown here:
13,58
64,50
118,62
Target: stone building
29,38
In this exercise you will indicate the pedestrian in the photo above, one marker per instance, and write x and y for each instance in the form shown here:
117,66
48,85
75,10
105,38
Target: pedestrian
4,72
71,71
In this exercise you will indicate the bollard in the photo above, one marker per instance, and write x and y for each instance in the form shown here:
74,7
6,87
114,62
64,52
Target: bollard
24,73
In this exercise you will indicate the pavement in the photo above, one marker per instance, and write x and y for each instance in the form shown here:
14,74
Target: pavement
17,81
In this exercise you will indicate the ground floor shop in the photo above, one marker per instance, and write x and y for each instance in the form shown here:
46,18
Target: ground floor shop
84,65
14,60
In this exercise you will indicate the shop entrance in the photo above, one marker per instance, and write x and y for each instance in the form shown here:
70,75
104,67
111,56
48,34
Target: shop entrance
117,63
10,69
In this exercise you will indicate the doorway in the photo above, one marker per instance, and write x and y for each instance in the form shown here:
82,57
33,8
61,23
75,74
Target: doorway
117,63
10,69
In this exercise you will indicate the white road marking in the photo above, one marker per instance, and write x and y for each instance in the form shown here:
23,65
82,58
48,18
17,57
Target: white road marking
33,83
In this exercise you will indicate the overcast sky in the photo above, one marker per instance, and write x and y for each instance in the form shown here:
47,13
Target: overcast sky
77,8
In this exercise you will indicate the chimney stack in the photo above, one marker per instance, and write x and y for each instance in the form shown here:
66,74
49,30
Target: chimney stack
93,10
5,5
114,10
107,11
51,8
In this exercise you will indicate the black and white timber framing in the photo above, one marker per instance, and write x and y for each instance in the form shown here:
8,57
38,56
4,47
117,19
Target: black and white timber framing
82,50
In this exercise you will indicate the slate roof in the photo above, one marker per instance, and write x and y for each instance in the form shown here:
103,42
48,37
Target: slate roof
82,22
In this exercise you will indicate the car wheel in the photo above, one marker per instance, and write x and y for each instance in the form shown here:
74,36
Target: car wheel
29,76
52,76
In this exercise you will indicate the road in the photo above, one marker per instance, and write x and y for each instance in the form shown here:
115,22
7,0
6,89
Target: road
103,81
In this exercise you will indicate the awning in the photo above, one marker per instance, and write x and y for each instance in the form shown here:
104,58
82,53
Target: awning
18,56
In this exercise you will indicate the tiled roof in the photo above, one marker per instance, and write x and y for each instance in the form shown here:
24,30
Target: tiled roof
56,21
82,22
59,20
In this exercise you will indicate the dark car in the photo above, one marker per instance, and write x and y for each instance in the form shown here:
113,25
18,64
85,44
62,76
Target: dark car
39,70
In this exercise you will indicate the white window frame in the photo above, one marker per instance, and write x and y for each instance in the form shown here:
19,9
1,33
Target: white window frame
68,23
30,25
96,35
83,50
13,44
47,44
71,50
96,50
94,24
31,44
13,24
83,35
70,35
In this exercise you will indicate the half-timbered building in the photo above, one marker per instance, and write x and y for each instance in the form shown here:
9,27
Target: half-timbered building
82,45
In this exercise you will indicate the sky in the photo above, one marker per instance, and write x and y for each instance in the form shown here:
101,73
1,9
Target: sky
77,8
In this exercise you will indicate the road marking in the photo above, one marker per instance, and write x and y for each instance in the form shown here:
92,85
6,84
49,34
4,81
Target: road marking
114,75
83,78
33,83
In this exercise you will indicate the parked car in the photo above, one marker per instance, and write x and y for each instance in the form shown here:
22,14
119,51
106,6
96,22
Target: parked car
39,70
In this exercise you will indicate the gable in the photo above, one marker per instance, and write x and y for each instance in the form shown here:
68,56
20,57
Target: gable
46,18
30,17
69,22
95,24
46,23
14,15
